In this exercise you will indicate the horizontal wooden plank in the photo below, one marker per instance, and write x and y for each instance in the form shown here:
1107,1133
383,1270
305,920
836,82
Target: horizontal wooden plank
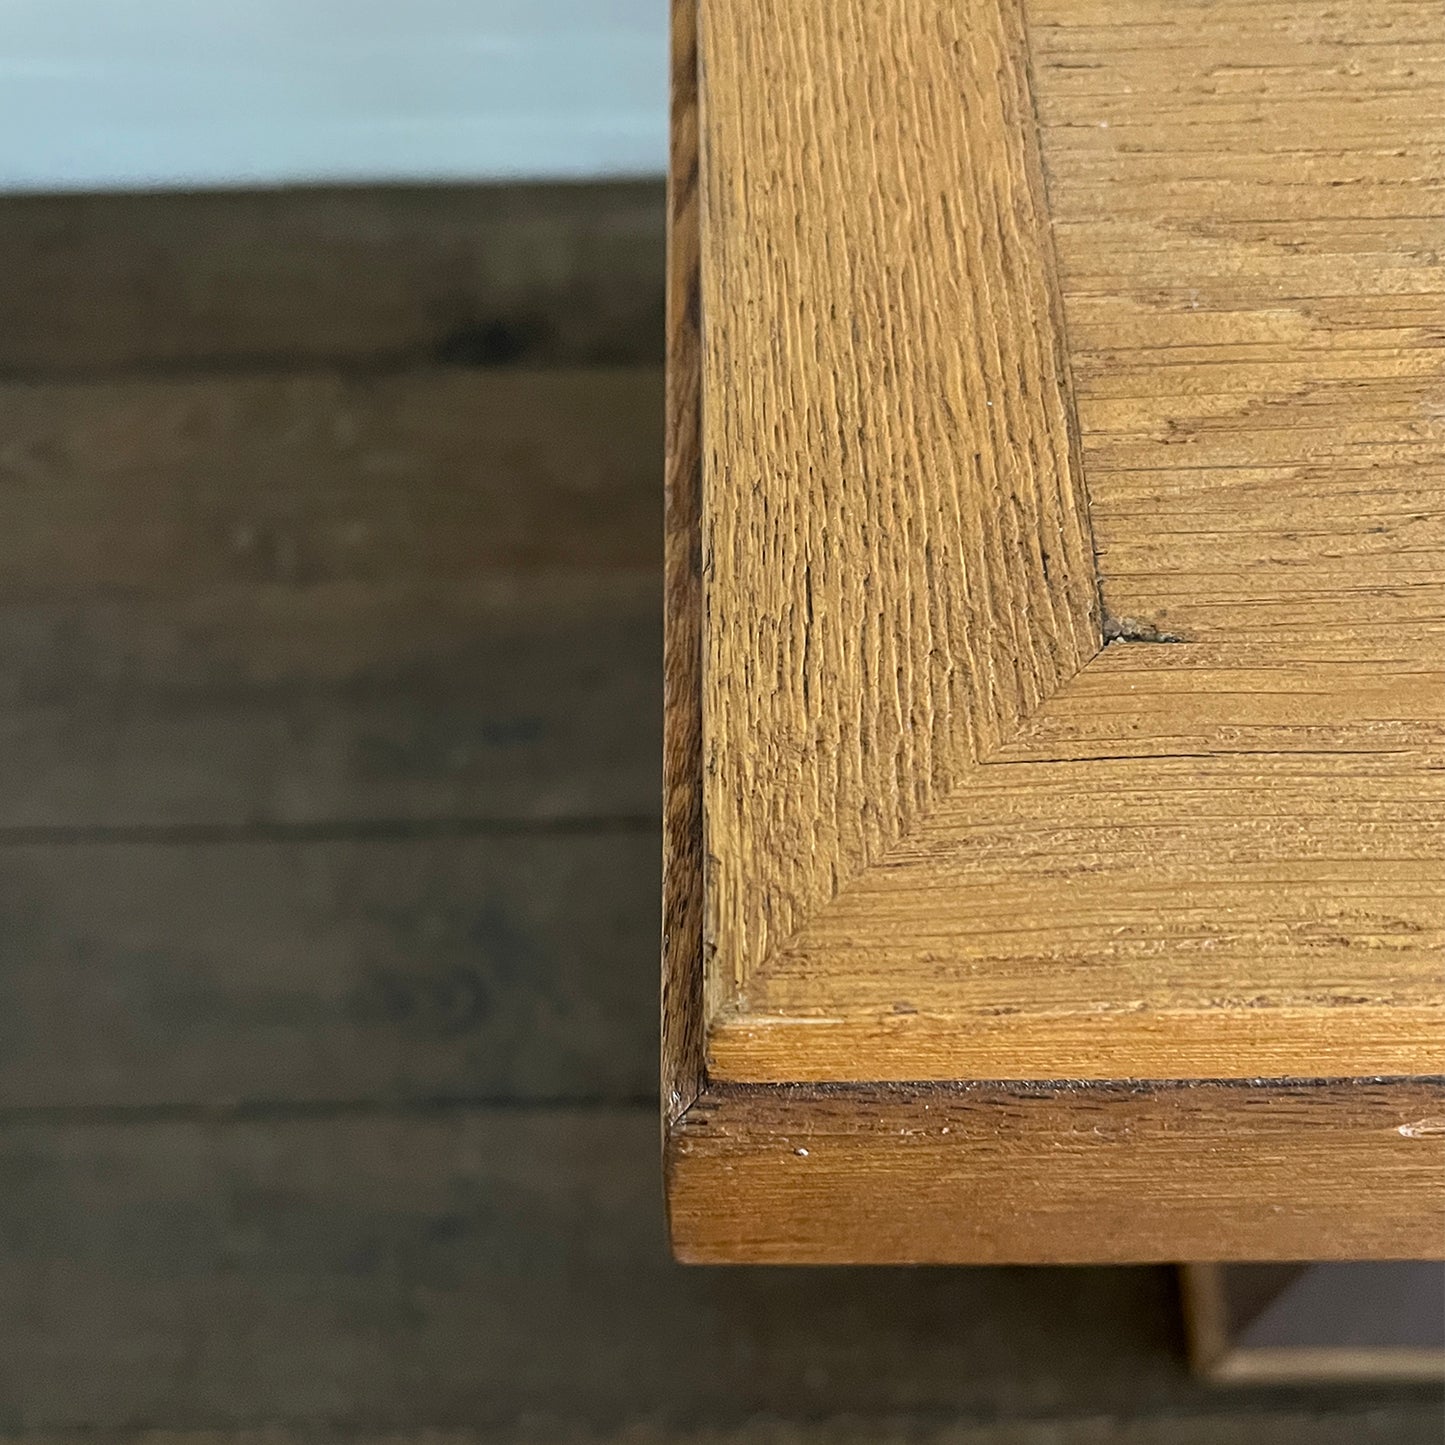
1273,912
546,274
496,697
160,488
1060,1173
1398,1423
484,1268
311,598
169,974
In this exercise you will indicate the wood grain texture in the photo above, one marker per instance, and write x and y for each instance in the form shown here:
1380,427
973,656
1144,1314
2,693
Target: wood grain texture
683,1021
895,546
1157,700
1248,211
1171,851
301,599
1224,917
361,277
965,823
269,973
998,1173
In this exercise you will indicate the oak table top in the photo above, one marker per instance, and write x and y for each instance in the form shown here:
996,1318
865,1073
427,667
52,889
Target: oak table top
1055,815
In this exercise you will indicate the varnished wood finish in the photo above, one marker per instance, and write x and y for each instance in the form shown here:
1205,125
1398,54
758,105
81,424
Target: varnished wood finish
991,1173
1073,592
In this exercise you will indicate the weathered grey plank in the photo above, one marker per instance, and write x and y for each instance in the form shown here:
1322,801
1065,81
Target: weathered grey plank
1404,1424
547,274
148,489
303,599
482,1268
155,974
506,696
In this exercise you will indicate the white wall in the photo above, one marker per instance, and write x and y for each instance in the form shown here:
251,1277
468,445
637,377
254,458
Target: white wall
143,93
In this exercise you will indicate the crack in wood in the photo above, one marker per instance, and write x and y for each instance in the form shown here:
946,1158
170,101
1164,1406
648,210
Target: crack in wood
1134,629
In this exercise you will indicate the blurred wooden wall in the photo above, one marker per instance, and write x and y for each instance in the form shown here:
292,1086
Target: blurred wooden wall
329,646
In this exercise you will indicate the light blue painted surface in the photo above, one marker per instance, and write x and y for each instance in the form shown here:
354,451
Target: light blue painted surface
141,93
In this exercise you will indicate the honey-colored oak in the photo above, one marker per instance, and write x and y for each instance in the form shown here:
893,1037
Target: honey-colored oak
1099,1173
1057,587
